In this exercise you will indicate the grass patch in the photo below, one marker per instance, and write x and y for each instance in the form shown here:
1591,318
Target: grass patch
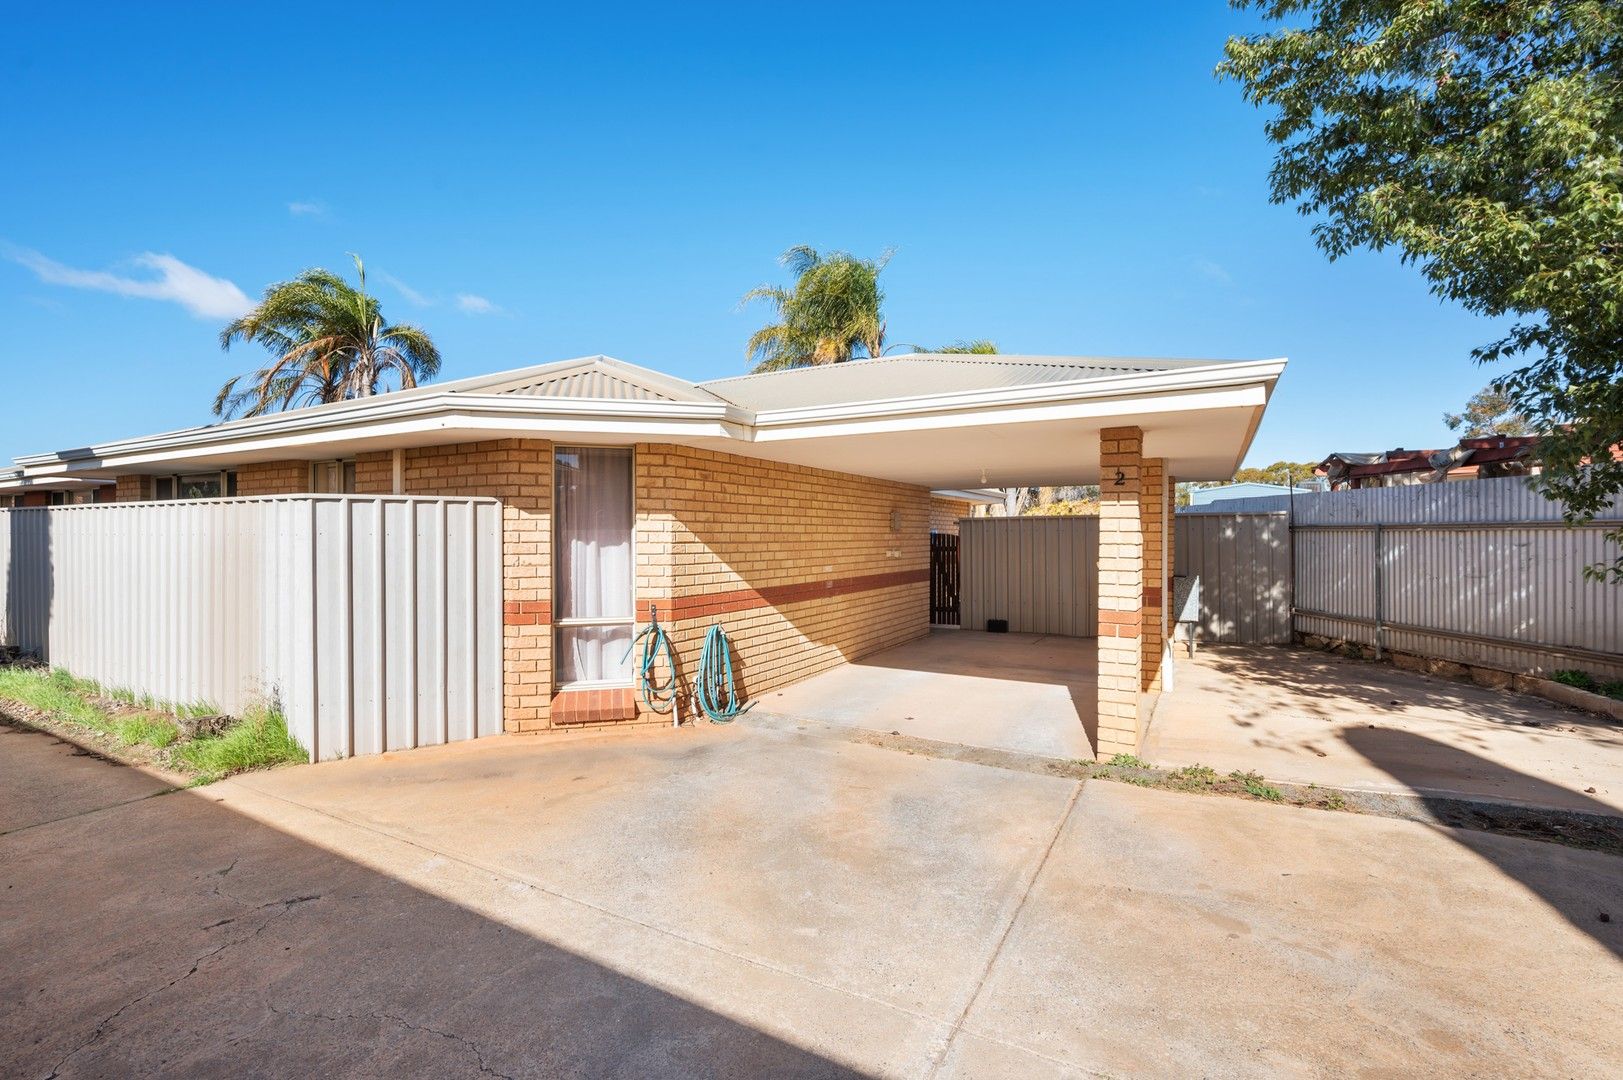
259,740
154,731
1129,761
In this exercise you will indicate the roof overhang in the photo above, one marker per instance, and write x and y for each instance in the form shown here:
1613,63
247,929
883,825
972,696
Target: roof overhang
1201,419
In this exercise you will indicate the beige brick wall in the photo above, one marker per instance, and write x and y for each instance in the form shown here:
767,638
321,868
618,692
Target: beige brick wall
273,478
133,488
801,567
944,513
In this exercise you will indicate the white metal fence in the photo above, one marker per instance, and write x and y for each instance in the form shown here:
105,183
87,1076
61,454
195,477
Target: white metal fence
373,623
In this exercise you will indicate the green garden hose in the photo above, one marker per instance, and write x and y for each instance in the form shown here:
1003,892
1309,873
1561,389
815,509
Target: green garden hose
713,685
659,696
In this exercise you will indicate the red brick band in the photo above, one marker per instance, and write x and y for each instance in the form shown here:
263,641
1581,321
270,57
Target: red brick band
675,608
526,612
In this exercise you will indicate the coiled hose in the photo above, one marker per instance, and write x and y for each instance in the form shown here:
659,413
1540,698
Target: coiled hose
713,684
659,696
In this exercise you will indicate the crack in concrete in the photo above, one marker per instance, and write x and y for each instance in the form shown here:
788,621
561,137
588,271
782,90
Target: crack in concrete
479,1057
285,905
1003,938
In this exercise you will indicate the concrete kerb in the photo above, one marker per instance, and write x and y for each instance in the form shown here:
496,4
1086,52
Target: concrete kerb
1573,828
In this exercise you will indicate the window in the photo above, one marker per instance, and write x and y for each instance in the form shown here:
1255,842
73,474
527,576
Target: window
593,587
211,485
332,477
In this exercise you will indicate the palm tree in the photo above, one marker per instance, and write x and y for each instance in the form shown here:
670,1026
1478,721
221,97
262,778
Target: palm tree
330,343
978,347
832,311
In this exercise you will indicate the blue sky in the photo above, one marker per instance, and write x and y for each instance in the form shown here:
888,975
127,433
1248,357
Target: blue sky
538,185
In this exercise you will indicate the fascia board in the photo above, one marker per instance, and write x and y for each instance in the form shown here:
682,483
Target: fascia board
1245,396
1218,375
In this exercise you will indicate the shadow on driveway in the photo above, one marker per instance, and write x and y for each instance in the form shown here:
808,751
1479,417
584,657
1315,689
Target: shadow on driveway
1417,762
177,936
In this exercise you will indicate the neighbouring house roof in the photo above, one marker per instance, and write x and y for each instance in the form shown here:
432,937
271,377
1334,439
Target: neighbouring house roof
1472,453
938,420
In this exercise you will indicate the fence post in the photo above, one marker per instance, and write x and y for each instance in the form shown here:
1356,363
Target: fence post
1380,591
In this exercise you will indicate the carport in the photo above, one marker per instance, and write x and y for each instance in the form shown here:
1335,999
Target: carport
1029,693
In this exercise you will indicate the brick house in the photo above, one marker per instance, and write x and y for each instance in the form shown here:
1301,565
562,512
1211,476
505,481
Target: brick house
794,506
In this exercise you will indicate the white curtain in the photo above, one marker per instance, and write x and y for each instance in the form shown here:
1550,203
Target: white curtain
594,526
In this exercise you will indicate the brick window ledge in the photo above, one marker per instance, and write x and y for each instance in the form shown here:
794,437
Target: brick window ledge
594,706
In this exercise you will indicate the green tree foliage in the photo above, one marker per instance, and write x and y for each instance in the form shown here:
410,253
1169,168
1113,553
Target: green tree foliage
328,342
978,347
1489,412
1280,472
833,311
1484,141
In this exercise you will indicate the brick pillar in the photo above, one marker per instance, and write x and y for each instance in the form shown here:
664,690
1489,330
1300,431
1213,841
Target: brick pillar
1156,521
1135,541
1121,589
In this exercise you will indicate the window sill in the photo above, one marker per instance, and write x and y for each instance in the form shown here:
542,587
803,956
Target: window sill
577,706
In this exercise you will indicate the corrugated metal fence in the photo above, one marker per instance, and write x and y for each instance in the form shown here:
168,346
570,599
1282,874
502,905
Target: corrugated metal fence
373,623
1039,573
1479,572
1244,565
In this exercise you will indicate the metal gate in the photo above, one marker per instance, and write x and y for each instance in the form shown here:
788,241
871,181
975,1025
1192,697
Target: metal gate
943,579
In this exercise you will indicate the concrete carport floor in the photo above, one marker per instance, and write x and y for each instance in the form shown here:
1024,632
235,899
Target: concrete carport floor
1029,693
750,902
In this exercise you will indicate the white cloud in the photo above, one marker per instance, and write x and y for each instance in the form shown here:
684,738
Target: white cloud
476,305
413,297
1212,271
204,295
307,208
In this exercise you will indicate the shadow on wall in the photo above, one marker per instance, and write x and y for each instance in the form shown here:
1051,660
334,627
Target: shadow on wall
246,949
742,538
1537,865
29,587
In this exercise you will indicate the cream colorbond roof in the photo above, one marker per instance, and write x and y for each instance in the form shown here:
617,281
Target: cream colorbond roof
920,375
939,420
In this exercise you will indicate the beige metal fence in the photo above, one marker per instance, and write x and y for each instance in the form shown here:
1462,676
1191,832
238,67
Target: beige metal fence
1243,562
1039,573
373,623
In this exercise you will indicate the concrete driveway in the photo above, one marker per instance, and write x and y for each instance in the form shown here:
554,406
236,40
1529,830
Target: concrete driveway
1027,693
747,902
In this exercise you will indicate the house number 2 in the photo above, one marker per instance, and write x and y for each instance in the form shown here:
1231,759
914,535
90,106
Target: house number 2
1121,478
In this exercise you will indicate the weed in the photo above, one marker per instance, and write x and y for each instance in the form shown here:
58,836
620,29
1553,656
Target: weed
259,740
1246,777
1582,680
1140,781
1202,775
1263,791
1613,689
1129,761
1334,801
